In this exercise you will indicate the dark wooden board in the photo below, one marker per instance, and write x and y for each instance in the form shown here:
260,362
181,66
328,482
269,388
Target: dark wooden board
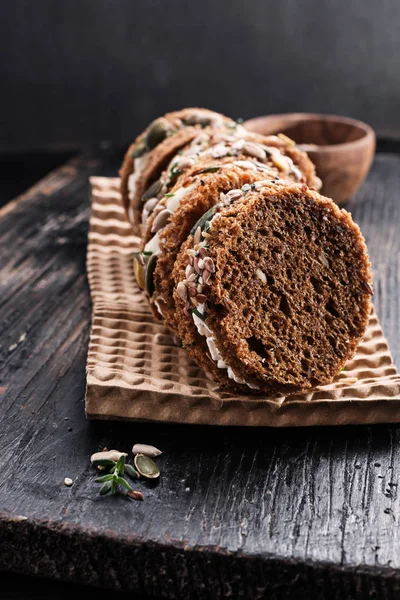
295,513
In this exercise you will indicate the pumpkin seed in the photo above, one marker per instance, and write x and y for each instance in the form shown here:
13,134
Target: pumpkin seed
146,467
153,190
156,133
202,222
149,280
138,150
146,450
139,271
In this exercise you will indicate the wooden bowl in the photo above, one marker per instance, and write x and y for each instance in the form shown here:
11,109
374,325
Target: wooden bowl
342,149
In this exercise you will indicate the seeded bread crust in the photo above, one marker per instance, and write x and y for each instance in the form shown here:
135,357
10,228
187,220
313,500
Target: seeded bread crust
158,159
301,322
190,209
181,222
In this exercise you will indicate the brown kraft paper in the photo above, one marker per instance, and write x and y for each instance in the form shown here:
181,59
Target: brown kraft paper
135,370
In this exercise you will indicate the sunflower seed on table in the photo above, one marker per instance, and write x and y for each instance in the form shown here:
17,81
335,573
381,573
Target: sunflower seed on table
146,467
146,450
99,458
68,481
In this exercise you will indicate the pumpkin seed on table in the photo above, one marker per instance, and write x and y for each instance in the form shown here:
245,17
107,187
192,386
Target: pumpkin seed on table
146,450
146,467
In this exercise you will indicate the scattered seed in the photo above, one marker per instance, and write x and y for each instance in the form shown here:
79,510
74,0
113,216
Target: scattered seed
146,467
201,298
104,458
68,481
135,494
191,277
192,292
146,450
200,264
189,271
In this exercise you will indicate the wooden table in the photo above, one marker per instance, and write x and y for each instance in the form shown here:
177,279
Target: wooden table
295,513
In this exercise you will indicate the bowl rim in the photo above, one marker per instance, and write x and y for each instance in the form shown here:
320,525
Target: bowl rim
368,136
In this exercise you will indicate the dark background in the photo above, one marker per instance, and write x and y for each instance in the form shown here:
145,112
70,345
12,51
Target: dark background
85,71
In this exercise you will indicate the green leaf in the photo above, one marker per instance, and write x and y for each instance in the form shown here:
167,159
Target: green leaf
131,472
103,462
114,485
104,478
112,470
121,465
170,195
105,488
124,483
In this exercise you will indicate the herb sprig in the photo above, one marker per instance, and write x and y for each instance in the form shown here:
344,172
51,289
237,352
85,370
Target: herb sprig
115,478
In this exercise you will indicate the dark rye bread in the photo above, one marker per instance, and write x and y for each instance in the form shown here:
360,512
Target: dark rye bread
180,133
290,297
207,195
194,205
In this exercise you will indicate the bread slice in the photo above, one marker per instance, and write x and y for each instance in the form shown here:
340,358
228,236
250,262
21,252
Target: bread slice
272,289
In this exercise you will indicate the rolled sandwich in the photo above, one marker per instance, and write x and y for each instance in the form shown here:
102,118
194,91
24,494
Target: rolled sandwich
218,167
272,288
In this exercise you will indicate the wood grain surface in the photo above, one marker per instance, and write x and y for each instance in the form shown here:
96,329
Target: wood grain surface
296,513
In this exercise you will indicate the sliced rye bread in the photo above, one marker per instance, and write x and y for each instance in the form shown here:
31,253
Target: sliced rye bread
148,156
246,156
284,295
